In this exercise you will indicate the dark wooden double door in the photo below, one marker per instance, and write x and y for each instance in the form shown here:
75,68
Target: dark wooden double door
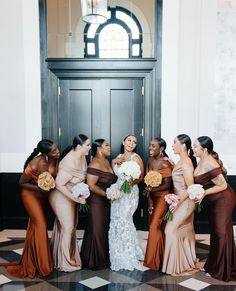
104,108
101,108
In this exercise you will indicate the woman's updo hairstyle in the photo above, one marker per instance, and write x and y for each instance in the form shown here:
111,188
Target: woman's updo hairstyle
79,139
162,143
97,144
207,143
43,147
122,149
185,139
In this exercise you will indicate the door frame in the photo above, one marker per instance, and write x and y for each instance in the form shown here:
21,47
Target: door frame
149,69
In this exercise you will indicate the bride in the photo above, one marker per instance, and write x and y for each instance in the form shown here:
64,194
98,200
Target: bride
124,248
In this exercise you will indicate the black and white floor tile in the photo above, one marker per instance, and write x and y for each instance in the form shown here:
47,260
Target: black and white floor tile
141,279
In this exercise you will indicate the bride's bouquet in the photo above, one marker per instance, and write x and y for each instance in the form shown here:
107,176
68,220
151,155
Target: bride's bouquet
46,181
81,190
173,201
129,170
196,192
113,192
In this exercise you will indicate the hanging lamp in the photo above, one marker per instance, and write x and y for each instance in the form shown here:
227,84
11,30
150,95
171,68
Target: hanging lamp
94,11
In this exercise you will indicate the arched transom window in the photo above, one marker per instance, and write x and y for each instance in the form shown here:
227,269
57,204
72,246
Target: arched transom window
119,37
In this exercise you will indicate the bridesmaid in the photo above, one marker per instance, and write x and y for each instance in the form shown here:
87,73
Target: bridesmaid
94,250
36,259
157,206
179,254
72,170
219,201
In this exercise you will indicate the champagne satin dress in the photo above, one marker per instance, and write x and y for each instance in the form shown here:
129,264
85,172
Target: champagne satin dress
221,261
36,259
156,238
63,241
180,254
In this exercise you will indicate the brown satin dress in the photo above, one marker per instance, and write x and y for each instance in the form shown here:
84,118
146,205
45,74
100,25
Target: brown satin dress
155,244
180,254
36,259
221,261
64,245
95,250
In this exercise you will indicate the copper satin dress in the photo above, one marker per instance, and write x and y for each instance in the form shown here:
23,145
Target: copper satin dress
63,241
95,249
156,238
36,258
180,254
221,261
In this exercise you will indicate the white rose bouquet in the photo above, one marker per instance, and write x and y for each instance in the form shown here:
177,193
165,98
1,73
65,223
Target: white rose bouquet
173,201
113,192
129,170
81,190
196,192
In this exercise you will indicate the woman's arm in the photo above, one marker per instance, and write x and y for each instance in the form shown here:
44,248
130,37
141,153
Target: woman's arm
220,185
25,182
165,185
189,180
61,180
118,160
187,173
139,161
92,183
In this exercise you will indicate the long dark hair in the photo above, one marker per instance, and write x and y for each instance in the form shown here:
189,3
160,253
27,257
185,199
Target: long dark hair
44,146
207,143
122,149
185,139
78,139
162,143
97,143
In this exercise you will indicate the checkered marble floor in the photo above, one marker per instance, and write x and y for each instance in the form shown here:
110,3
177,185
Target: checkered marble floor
141,279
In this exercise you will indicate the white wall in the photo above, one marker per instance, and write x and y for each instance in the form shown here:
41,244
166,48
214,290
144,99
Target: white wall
199,65
198,38
20,118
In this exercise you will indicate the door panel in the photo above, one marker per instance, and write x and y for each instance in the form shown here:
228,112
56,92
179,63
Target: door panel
101,108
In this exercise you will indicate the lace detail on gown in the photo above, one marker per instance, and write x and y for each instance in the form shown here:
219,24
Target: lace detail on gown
124,247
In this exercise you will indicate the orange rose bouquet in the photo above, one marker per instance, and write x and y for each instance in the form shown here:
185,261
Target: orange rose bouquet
153,179
46,181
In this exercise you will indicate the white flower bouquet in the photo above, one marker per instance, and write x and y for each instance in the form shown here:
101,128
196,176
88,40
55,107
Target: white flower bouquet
173,201
113,192
129,170
196,192
81,190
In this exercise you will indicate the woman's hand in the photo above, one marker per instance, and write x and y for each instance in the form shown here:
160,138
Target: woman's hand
147,191
174,206
80,200
198,201
119,160
150,209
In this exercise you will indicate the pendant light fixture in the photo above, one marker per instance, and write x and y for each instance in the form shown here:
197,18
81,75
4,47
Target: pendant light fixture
94,11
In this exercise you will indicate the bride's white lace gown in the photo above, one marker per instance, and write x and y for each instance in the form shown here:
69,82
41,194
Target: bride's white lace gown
124,248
